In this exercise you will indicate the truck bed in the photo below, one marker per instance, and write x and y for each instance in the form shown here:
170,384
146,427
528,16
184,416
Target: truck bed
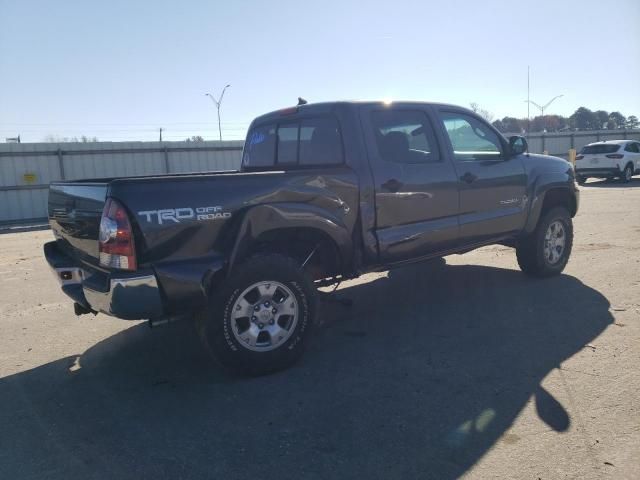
188,215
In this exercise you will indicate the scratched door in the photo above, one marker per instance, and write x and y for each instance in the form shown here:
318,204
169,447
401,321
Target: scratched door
491,182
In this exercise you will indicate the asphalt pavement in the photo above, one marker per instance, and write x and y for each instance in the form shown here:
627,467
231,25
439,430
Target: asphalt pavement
441,370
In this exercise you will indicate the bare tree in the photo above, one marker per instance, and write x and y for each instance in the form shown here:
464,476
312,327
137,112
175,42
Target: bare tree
483,112
58,139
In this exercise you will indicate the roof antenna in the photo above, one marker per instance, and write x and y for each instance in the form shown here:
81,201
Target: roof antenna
302,101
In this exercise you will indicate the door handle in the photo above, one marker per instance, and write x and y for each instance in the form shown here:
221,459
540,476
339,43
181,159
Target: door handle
392,185
469,177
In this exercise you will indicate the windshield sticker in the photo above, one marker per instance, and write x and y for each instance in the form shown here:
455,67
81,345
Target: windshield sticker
256,138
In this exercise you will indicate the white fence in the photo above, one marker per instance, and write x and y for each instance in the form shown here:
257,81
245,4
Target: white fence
560,143
26,169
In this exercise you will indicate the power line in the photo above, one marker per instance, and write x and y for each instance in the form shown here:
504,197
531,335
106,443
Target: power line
102,130
122,123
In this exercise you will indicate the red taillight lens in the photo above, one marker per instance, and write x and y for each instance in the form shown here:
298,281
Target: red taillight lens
614,155
115,243
579,157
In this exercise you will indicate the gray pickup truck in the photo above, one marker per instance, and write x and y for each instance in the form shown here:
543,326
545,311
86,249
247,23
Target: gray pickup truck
325,192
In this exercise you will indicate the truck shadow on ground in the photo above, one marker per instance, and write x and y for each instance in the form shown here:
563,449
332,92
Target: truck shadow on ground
419,379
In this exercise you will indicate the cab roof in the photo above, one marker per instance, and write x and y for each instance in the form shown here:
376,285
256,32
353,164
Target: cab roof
610,142
328,107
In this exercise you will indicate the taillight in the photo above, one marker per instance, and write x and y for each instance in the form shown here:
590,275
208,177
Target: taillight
615,155
579,157
115,242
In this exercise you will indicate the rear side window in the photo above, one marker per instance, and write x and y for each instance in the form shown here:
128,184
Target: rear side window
308,142
404,136
260,147
600,148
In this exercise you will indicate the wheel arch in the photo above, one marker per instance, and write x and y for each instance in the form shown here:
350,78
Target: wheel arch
297,230
555,196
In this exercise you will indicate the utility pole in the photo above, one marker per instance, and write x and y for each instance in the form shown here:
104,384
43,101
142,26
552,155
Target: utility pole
160,133
528,105
217,103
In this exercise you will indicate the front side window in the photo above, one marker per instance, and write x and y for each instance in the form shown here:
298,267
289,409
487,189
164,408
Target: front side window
470,138
260,147
632,147
404,136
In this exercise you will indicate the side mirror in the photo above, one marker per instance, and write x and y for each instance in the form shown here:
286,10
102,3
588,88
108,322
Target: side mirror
518,145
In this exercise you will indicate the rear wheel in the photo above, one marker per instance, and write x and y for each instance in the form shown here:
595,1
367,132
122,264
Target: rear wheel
546,251
261,319
627,173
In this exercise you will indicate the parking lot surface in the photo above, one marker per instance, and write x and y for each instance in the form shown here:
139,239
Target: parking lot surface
439,371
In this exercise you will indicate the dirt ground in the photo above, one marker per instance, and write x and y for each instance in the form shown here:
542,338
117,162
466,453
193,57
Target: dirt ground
439,371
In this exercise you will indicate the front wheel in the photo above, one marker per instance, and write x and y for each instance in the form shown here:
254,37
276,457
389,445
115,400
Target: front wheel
580,179
546,251
261,319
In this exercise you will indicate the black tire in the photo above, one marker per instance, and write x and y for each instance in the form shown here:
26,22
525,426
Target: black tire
530,250
215,324
580,179
627,173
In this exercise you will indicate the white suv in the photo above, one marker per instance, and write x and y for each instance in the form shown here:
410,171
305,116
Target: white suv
609,159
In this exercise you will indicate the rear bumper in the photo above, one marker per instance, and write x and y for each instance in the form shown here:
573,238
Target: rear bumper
128,296
598,172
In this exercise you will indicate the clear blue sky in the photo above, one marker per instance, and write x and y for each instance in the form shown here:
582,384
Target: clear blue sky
121,69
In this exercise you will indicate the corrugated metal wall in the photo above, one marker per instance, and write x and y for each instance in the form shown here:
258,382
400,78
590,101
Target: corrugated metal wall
560,143
26,169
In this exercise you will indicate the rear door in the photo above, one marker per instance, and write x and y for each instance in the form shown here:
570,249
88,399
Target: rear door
597,157
492,184
416,193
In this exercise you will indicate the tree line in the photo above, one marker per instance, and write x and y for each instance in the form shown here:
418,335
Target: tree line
59,139
581,119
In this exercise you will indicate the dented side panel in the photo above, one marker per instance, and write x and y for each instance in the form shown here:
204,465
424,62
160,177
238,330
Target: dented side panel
187,217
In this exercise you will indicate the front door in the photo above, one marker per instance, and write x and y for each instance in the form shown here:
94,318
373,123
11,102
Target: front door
416,186
492,183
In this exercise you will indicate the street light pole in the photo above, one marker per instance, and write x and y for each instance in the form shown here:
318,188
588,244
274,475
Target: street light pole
543,107
217,103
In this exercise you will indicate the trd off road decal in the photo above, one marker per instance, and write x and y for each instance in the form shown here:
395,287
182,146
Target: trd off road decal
182,214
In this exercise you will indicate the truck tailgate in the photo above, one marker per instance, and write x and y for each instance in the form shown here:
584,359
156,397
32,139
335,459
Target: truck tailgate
75,210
